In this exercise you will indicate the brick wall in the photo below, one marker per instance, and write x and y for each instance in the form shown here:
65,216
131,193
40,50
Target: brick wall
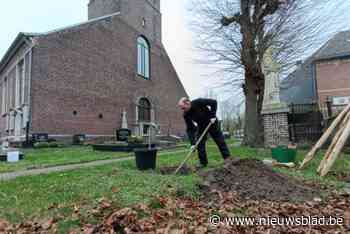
133,13
98,8
333,79
92,70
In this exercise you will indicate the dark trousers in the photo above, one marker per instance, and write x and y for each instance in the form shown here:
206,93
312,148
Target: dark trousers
216,133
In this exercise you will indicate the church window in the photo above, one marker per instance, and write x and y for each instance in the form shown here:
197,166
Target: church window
143,58
144,114
144,109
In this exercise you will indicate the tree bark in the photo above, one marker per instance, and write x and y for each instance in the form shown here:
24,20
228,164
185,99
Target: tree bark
253,88
253,129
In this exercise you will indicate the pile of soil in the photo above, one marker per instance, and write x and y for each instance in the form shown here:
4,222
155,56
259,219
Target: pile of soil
185,170
252,179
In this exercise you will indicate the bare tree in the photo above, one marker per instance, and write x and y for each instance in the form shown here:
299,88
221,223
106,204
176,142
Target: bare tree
230,115
235,34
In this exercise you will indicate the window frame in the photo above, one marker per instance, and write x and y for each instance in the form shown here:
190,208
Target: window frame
144,110
143,58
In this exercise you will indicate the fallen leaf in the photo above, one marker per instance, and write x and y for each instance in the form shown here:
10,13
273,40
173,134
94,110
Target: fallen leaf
3,225
105,205
88,229
76,208
48,224
347,218
115,190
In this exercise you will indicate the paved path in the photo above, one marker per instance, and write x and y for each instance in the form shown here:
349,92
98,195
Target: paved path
48,170
13,175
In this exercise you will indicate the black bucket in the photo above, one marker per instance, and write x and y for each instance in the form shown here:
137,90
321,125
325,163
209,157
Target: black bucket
146,158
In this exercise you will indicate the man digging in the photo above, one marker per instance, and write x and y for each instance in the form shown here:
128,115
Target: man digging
202,111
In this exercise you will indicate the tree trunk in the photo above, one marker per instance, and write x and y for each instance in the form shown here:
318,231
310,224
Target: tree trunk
253,129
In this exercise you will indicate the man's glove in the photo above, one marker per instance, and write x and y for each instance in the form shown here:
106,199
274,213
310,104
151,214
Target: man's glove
193,147
212,120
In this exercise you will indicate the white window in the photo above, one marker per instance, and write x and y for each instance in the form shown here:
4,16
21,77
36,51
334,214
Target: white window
143,64
20,82
5,96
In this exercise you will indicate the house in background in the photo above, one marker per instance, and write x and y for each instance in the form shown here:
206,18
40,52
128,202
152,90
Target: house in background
79,79
323,77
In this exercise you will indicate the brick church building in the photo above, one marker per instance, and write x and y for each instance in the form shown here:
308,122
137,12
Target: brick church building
79,79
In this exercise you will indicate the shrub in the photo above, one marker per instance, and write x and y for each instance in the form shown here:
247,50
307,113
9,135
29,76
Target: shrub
41,145
135,139
53,145
304,146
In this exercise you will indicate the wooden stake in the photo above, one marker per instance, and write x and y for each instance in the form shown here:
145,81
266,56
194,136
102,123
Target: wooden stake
334,142
324,138
337,149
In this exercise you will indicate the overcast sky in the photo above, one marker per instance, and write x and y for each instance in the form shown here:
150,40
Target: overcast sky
43,15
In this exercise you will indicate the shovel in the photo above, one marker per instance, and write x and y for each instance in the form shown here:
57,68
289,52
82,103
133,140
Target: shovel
193,149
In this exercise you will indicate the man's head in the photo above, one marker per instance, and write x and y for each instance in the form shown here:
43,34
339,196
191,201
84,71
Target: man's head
184,104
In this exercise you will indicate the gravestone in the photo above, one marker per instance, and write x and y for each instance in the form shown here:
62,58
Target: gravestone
123,134
40,137
79,139
13,156
8,155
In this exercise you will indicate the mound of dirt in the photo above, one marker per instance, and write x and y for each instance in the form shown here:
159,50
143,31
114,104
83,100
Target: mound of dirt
185,170
252,179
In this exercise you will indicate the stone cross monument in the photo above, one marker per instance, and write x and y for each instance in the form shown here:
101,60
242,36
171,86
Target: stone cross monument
124,120
275,112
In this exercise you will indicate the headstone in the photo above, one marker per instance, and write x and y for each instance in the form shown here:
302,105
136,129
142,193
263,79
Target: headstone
13,156
123,134
40,137
79,139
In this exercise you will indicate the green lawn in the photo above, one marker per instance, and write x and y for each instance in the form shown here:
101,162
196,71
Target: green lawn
48,157
309,173
56,194
38,158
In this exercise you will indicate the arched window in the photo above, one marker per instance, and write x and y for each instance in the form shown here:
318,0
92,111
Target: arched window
144,110
143,65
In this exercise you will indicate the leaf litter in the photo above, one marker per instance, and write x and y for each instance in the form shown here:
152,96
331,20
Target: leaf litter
223,194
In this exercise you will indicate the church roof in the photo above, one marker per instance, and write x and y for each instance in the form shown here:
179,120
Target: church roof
21,39
106,17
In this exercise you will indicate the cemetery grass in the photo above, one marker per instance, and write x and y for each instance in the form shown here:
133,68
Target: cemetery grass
58,195
48,157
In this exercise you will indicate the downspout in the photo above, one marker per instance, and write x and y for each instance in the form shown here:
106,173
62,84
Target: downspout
313,76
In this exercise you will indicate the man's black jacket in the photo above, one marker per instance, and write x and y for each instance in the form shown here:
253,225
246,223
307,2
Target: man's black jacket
202,110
